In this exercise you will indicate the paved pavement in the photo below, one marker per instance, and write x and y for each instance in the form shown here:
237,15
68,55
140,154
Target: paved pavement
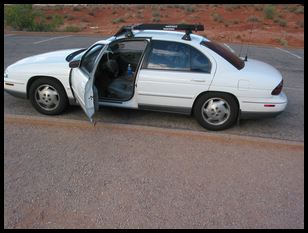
64,175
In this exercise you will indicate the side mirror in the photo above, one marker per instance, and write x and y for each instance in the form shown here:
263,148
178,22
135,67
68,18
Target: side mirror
74,64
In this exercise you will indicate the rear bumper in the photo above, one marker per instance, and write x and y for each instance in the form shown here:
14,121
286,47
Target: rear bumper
265,109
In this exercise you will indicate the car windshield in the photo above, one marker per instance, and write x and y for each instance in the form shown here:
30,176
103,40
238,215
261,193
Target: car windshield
225,52
75,55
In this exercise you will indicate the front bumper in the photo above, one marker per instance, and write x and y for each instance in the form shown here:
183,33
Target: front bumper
16,93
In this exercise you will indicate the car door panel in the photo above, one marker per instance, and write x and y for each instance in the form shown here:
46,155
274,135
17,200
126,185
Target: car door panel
170,88
169,78
82,88
82,78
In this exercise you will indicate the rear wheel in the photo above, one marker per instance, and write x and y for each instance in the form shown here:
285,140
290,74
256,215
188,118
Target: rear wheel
216,110
48,96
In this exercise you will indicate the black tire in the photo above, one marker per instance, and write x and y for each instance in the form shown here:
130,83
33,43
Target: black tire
224,105
59,100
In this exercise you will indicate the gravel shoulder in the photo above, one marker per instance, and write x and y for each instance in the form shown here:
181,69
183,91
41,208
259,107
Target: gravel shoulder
65,176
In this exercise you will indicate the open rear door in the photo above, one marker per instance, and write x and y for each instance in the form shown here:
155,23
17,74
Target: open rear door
81,80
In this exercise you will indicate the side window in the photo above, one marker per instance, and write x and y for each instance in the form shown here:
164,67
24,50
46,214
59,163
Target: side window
199,62
169,56
88,60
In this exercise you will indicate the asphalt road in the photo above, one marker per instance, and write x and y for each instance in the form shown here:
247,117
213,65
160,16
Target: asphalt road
72,176
289,125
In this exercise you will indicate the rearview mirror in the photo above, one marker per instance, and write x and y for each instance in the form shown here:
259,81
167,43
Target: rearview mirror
74,64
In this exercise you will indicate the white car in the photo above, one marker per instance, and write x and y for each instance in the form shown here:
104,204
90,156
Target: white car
151,67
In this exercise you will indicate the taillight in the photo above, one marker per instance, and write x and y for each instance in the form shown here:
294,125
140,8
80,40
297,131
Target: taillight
278,89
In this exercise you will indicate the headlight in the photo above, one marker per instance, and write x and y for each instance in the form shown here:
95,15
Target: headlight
5,74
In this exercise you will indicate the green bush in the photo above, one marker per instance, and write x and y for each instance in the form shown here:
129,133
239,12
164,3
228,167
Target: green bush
20,16
269,11
57,20
118,20
23,17
72,28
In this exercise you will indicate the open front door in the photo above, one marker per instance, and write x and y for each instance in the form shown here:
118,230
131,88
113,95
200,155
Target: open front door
81,80
82,87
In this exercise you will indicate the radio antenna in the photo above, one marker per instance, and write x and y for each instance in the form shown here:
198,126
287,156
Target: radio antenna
241,47
249,41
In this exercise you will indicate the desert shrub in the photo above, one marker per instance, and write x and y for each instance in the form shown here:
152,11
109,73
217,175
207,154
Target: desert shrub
291,8
139,14
58,7
85,20
213,5
118,20
70,17
300,24
230,7
235,21
282,41
253,19
77,8
156,20
217,17
269,11
72,28
140,6
280,21
189,9
299,10
258,7
92,13
156,14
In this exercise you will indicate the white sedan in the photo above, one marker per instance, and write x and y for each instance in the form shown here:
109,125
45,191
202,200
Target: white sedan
149,67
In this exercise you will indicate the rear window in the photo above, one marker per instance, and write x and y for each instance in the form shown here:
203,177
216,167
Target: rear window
225,53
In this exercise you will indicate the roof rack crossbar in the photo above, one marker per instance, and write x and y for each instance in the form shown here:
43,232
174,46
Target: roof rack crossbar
188,28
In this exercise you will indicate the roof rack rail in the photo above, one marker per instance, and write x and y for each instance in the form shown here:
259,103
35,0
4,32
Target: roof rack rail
188,28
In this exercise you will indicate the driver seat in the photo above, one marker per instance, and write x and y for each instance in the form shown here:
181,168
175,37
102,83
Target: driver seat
120,87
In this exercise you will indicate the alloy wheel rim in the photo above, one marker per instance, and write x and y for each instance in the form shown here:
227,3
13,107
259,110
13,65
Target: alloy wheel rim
216,111
47,97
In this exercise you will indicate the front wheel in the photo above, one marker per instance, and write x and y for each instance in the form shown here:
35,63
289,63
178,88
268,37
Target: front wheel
216,111
48,96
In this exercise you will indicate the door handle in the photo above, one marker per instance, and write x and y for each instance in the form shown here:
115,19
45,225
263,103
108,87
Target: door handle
198,79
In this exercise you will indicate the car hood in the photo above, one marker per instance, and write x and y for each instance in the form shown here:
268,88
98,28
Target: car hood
49,64
50,57
260,75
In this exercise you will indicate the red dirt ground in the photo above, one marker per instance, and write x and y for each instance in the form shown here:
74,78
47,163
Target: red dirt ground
234,27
